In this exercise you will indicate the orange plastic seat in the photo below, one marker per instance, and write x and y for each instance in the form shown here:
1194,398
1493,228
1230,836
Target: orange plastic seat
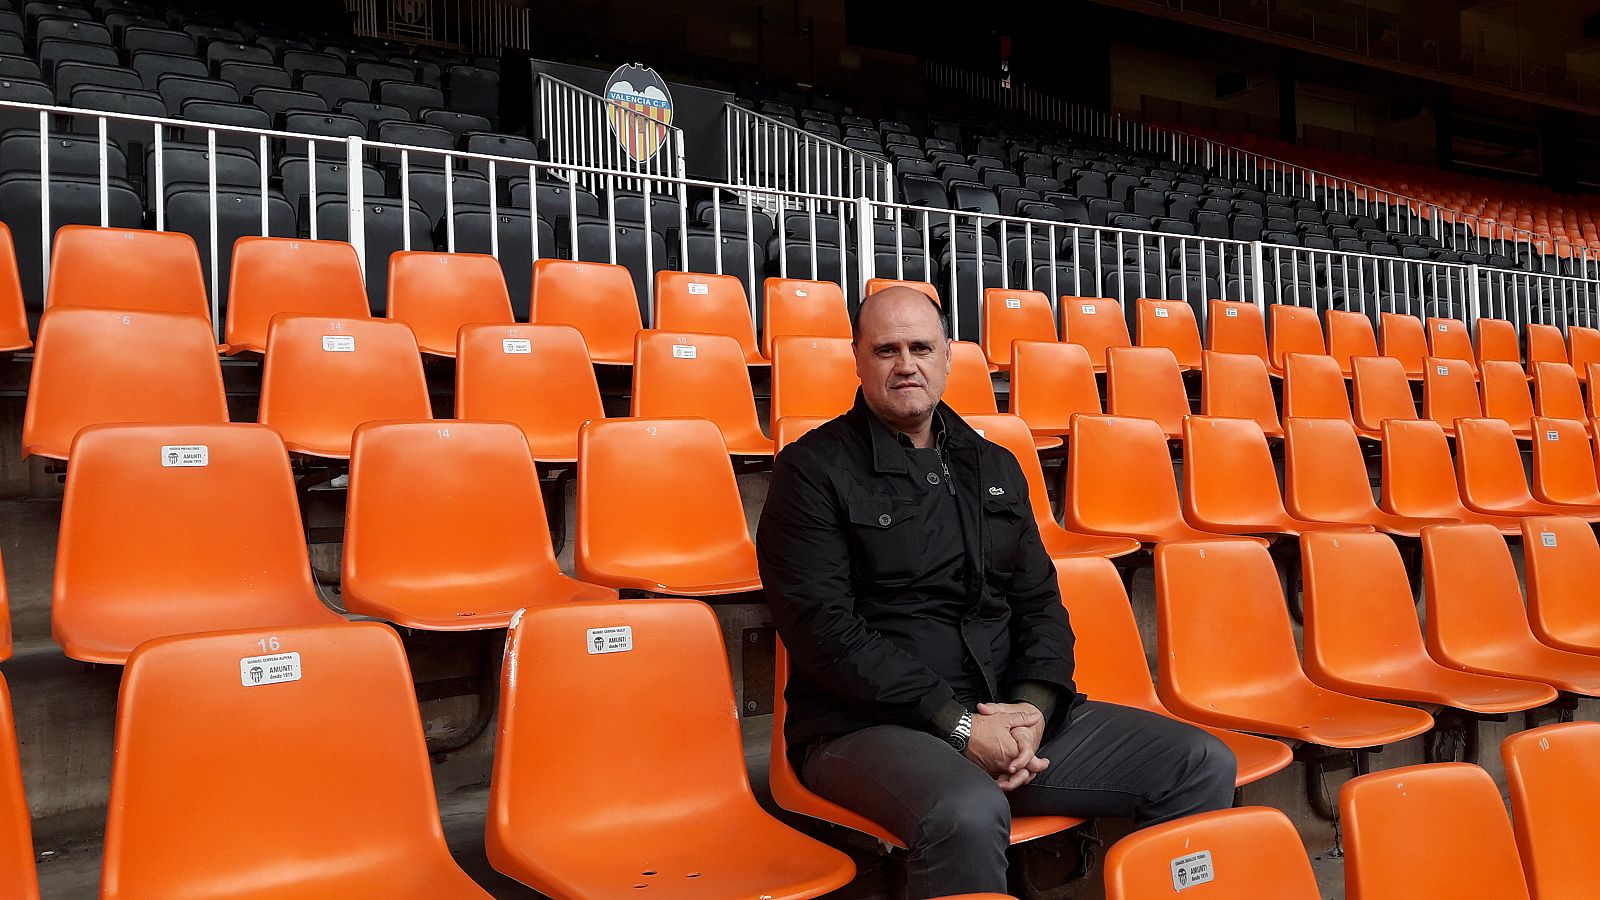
1448,339
1349,335
13,314
1362,636
875,285
1419,477
1403,339
1250,851
1014,316
698,375
1230,485
1295,329
1559,556
323,377
598,299
1096,324
678,814
437,293
1170,324
1146,383
1449,392
1050,383
536,376
791,794
807,308
1564,463
1506,396
1554,776
1120,482
1546,344
94,366
1109,659
1236,327
1592,405
445,528
1497,339
1556,392
1226,593
327,740
1475,614
290,275
171,529
813,377
1583,349
1489,470
683,533
126,268
5,617
969,390
1381,391
1313,388
707,304
1325,479
17,876
1428,831
791,428
1012,433
1237,386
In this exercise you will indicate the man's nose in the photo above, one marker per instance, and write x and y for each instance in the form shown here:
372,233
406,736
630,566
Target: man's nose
904,364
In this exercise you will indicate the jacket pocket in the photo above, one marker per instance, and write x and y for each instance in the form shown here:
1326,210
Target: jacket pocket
885,539
1002,524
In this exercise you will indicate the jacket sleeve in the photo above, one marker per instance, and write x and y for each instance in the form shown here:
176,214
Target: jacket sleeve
804,557
1041,634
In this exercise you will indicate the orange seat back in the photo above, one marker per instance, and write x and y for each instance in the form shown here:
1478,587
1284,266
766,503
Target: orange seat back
1546,344
5,617
708,304
1564,462
792,428
1145,382
1119,477
1360,616
1404,339
363,809
1236,385
1012,433
323,377
1560,556
437,293
1554,776
1228,476
1381,392
1583,348
1014,316
1449,392
813,376
1109,658
13,314
290,275
1235,327
1556,391
1474,607
1050,383
797,307
169,529
1448,339
1095,324
17,876
698,375
536,376
1170,324
1592,405
1504,392
598,299
1324,475
875,285
1429,831
1489,465
1419,474
1249,851
969,390
127,268
94,366
1313,388
1295,329
1497,339
1350,335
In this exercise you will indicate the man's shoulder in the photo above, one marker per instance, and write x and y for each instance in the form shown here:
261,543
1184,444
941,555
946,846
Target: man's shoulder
835,443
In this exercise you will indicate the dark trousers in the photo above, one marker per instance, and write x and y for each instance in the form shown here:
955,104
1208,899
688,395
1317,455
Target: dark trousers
1109,761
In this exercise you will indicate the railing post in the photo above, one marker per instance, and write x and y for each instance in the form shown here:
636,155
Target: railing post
1258,285
864,244
1473,289
356,202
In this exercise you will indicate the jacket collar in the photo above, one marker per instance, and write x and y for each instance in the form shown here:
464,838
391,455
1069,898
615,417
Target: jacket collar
887,454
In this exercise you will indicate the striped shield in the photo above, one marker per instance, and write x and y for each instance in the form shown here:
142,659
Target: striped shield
639,111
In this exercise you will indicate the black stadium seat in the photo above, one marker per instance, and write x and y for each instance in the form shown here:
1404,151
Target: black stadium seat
595,236
385,229
249,77
332,181
276,102
238,214
188,162
151,66
176,90
514,230
69,155
427,189
73,201
458,124
334,88
139,38
373,114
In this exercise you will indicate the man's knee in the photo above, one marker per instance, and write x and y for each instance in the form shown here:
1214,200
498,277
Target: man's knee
969,814
1213,763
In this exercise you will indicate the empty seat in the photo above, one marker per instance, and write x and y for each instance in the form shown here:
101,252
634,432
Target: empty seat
680,374
445,528
1050,383
1325,479
1489,469
1433,831
1583,349
1381,391
473,89
1010,315
1230,485
969,390
1555,805
427,188
1419,476
598,299
1497,339
389,227
236,214
323,376
436,293
683,535
367,823
1362,636
1448,339
1237,385
95,366
152,543
797,307
1545,344
1556,391
1403,339
1235,327
289,275
683,816
1449,392
536,376
13,315
1349,334
333,87
514,236
1559,554
125,268
1170,324
1096,324
812,377
1295,330
69,154
1564,463
1145,382
708,304
1506,396
17,876
1252,851
411,97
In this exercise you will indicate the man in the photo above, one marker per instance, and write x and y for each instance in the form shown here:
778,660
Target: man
932,660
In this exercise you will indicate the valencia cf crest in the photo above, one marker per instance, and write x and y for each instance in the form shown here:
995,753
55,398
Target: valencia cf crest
640,110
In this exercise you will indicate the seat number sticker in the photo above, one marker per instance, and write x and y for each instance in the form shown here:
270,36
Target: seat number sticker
1231,313
1161,312
618,639
514,345
1088,309
684,351
1442,370
699,288
1548,538
339,343
185,456
1013,303
800,293
256,671
1442,327
1188,871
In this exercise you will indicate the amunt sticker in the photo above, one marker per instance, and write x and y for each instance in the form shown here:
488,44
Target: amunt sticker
258,671
1188,871
617,639
1013,303
514,345
185,456
699,287
684,351
338,343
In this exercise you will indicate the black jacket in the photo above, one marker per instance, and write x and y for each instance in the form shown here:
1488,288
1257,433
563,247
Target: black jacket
839,537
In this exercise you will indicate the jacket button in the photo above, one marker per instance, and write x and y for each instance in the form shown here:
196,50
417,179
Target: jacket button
969,665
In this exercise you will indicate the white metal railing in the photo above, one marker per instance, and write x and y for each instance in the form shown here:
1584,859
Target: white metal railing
587,131
1370,284
764,152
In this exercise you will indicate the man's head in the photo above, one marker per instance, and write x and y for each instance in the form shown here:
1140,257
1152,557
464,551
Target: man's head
902,355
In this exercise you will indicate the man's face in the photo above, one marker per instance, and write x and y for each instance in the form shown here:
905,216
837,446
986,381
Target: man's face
902,356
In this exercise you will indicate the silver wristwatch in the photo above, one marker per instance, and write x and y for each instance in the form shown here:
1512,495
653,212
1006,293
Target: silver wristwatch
958,738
